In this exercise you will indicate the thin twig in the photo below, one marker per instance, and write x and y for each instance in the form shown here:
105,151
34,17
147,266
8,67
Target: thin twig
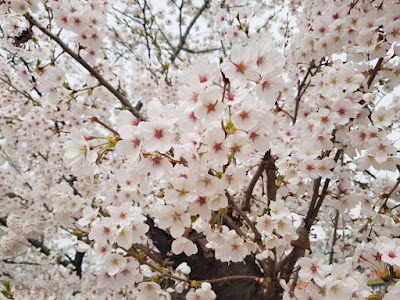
300,91
185,35
95,119
244,217
153,255
335,226
253,181
233,277
71,184
228,220
374,72
25,94
295,278
387,196
200,51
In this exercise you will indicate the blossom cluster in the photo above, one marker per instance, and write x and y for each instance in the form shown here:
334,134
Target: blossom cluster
224,160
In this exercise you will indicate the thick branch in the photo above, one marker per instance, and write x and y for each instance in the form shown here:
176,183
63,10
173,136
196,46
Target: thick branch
309,220
89,68
287,264
270,169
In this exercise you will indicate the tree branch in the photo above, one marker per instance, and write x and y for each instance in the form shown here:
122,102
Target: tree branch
244,217
185,35
253,181
374,72
228,220
270,169
335,226
23,93
300,91
286,265
200,51
84,64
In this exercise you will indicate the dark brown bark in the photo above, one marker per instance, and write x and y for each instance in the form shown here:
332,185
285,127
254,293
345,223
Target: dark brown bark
205,267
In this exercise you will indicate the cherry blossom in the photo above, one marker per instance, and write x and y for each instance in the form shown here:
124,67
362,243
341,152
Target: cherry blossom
314,268
151,150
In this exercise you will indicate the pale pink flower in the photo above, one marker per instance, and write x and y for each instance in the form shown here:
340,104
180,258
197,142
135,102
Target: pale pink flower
216,149
103,230
389,250
114,263
209,108
278,209
131,142
241,66
201,73
124,237
149,291
314,268
203,293
89,215
156,165
124,214
101,251
185,245
129,275
265,224
201,207
157,136
174,218
78,155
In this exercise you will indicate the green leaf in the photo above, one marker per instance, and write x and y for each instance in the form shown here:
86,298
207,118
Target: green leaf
6,292
78,233
66,85
280,179
219,174
374,297
230,127
7,286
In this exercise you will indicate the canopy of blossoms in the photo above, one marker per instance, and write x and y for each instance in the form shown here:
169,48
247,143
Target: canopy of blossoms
182,149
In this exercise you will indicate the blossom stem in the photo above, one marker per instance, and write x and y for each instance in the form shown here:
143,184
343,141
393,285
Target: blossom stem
95,119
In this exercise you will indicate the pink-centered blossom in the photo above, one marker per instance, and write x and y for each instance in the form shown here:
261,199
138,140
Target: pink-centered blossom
314,268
